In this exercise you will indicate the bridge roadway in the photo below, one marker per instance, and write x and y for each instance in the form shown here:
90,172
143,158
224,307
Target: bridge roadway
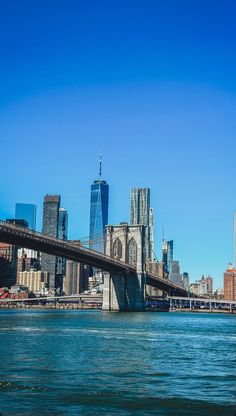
23,237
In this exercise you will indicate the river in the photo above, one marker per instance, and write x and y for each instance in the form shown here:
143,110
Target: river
99,363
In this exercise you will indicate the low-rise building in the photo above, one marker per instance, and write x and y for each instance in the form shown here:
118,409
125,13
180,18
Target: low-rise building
35,281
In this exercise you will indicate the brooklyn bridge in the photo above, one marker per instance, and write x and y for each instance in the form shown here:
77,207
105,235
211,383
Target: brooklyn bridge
127,273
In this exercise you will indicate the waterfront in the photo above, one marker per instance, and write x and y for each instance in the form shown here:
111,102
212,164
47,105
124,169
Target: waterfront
97,363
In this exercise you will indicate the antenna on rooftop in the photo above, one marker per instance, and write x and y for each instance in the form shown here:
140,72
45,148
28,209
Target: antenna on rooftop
100,167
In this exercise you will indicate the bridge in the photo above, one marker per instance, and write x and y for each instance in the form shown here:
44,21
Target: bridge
127,275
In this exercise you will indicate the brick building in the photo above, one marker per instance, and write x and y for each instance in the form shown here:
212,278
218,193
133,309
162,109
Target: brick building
230,283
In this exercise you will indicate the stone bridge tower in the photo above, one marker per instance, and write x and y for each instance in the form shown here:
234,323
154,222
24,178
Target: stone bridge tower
125,292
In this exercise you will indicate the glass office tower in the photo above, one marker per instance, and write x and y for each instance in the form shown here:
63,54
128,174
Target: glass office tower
50,227
26,212
167,254
98,213
62,234
62,224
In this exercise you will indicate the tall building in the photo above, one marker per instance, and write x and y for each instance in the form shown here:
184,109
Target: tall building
175,276
98,212
50,227
8,269
209,283
151,222
167,254
76,280
9,254
186,280
62,224
62,234
26,212
140,213
230,283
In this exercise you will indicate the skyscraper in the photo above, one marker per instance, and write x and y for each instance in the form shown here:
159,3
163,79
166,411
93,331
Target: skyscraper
98,212
26,212
62,224
175,276
140,212
186,280
151,221
62,234
50,227
167,254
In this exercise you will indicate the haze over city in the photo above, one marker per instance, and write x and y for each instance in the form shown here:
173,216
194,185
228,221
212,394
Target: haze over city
155,95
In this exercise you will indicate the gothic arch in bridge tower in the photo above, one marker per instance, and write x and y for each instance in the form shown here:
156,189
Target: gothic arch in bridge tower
132,252
117,249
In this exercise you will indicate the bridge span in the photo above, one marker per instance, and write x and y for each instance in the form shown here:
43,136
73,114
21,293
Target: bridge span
126,276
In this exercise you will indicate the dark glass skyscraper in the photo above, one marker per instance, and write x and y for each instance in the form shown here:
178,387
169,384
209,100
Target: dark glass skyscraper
26,212
98,212
50,227
62,224
62,234
167,254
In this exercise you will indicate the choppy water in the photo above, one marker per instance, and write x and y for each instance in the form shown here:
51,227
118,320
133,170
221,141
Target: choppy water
98,363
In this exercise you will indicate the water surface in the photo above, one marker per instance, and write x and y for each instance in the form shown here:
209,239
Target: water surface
99,363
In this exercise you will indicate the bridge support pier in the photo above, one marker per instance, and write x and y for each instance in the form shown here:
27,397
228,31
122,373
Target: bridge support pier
124,292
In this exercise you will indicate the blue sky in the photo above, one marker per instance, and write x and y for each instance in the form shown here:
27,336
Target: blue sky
151,85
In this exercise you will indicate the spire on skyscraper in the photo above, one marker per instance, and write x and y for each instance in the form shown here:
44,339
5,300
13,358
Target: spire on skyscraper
100,167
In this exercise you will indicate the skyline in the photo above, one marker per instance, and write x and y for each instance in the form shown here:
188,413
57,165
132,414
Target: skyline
150,85
159,256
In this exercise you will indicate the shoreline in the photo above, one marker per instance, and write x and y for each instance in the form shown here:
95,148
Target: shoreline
95,307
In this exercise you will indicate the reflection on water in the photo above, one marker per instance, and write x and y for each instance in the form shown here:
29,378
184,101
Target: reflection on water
99,363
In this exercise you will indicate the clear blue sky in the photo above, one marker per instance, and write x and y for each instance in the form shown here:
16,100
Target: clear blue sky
149,83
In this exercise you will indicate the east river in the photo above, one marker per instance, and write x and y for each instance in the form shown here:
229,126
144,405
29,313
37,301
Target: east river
99,363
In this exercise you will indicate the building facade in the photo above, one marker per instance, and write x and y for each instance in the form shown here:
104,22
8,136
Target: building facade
140,214
62,234
50,227
35,281
98,213
167,254
28,213
27,259
230,283
175,276
202,287
151,222
8,264
186,280
76,280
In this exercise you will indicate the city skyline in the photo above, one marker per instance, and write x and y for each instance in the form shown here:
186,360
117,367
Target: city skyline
153,88
63,230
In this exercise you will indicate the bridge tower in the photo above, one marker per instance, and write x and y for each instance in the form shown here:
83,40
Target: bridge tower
125,291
